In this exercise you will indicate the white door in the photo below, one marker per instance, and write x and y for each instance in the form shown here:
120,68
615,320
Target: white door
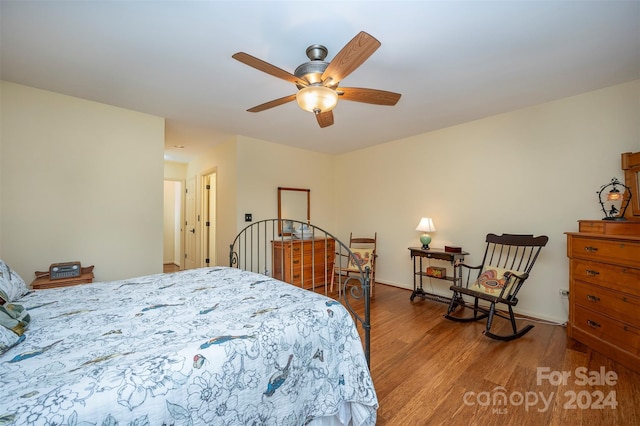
190,225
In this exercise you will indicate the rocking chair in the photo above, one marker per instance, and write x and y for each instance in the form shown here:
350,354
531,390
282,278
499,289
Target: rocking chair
506,265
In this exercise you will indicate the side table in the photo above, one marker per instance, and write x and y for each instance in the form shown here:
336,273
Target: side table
417,254
43,281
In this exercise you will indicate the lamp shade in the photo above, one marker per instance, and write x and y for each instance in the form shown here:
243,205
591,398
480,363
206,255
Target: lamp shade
426,225
317,99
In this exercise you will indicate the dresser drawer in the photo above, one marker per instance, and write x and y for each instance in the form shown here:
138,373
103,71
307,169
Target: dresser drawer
303,262
615,277
322,261
615,332
618,306
297,247
309,276
619,252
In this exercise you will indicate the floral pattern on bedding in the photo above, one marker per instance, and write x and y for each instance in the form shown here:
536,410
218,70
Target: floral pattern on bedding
199,347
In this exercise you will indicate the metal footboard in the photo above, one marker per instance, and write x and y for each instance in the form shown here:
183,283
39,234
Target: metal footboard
305,258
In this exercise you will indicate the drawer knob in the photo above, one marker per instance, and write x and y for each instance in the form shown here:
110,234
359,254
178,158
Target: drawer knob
592,273
591,249
592,298
593,324
295,262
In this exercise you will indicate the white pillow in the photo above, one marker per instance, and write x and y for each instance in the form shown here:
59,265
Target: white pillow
19,284
12,286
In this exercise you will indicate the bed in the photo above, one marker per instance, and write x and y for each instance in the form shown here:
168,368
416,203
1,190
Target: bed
209,346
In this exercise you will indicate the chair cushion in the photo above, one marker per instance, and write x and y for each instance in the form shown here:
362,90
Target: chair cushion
364,258
15,318
8,339
492,280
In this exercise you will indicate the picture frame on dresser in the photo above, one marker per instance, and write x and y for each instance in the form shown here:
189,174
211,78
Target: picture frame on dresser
293,204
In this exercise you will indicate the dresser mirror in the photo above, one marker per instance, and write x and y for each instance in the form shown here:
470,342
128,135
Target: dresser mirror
293,204
631,167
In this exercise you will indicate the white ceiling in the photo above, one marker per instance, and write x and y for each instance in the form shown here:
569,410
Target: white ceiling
452,61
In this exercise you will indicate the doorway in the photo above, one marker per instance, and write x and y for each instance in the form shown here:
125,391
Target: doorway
173,238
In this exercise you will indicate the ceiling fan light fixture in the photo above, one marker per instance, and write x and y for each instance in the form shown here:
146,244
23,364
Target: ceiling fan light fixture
317,99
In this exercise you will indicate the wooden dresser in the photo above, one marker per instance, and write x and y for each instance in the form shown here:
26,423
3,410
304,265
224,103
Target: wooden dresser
604,288
303,262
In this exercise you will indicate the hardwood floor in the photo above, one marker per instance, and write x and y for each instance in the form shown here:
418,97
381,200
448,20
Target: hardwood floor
428,370
170,267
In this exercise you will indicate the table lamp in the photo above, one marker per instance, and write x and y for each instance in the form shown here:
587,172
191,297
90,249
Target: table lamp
614,202
426,226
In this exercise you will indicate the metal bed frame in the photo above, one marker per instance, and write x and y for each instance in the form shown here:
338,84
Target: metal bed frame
253,250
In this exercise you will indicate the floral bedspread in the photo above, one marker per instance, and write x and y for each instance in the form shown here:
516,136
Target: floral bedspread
211,346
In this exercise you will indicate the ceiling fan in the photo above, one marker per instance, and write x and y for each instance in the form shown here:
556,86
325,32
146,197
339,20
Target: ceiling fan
317,81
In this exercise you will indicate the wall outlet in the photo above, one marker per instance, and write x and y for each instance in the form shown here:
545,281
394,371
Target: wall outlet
248,217
564,292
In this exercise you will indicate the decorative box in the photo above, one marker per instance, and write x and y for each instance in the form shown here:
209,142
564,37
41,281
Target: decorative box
434,271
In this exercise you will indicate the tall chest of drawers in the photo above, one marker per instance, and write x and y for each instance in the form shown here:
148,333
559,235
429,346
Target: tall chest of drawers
303,262
604,288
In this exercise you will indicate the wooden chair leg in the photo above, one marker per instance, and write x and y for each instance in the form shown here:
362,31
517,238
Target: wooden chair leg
457,300
516,334
333,276
372,285
452,304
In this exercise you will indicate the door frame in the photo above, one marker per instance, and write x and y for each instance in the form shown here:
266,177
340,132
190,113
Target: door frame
208,245
191,201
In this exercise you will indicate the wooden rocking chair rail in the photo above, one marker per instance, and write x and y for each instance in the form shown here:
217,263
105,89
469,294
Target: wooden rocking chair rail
514,255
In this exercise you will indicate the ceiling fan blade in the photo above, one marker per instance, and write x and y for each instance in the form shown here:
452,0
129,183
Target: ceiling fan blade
352,55
263,66
273,103
368,96
325,119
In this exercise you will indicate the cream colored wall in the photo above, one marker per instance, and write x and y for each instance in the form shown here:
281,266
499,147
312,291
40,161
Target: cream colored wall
248,173
80,181
535,170
175,171
265,166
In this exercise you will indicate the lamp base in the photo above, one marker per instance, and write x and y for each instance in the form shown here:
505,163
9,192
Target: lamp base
615,218
425,239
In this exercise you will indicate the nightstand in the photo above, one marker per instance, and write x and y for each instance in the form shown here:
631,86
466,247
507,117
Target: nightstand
419,273
43,281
